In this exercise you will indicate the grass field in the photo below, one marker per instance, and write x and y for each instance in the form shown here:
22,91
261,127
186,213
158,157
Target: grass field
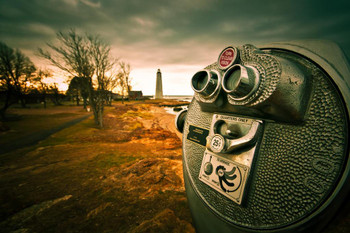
25,122
126,177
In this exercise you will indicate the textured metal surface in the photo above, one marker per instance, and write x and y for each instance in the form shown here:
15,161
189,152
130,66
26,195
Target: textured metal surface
297,168
281,94
268,66
244,130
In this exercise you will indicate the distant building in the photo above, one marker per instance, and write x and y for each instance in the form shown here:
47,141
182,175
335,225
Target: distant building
135,95
116,96
159,86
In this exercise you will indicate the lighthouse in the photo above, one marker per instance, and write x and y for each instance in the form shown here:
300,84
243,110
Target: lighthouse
159,86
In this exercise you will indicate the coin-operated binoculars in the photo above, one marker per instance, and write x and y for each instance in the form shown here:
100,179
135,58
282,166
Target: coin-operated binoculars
266,138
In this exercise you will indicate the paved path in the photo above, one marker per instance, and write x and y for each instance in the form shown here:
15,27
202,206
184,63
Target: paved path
34,138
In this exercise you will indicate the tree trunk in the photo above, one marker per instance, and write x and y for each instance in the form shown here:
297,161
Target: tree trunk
100,117
95,115
85,102
77,99
128,90
44,99
22,100
6,105
57,98
3,113
95,104
108,99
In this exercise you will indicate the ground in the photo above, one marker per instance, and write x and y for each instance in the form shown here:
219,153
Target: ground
126,177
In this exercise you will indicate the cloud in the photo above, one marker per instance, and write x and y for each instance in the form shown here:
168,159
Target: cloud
151,34
38,28
71,2
91,3
144,22
75,3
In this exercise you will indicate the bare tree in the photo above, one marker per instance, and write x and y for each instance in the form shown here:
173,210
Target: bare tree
74,89
78,87
103,62
124,79
55,94
42,87
87,57
16,70
113,83
72,55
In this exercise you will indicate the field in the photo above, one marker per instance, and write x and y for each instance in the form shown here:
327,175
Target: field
126,177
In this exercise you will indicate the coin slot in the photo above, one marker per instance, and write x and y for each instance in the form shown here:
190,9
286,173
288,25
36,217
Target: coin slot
229,130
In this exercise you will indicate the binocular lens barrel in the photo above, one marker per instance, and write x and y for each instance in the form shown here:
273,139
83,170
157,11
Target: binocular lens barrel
204,82
180,120
240,81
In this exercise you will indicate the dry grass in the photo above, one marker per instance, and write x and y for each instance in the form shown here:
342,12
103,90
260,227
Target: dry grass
126,177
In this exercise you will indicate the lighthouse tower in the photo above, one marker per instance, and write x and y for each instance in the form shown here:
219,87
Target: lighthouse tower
159,86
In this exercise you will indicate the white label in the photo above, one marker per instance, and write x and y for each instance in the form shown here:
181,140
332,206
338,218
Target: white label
227,177
217,143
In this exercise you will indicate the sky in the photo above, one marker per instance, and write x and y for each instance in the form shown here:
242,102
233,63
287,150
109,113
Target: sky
179,37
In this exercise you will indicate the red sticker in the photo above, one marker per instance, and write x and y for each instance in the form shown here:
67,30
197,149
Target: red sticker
227,57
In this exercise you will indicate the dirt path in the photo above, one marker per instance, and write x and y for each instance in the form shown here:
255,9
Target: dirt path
34,138
162,119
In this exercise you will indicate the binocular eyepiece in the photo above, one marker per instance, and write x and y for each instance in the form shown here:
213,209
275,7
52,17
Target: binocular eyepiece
205,82
239,82
254,84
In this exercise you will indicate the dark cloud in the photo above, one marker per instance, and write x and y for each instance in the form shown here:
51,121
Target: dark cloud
173,22
158,32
